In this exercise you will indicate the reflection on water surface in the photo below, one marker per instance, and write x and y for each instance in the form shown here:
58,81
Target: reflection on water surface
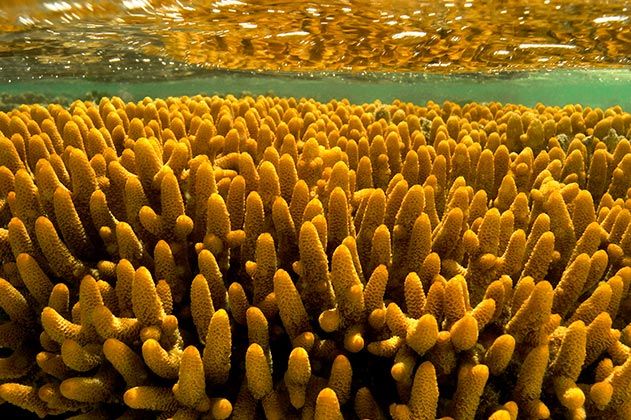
151,39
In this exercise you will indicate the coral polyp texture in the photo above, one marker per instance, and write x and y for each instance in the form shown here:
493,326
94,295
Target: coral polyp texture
216,257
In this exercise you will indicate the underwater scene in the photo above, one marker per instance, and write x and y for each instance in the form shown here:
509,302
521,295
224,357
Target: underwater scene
271,209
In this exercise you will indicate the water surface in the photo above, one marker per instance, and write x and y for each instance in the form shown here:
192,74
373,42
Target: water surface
139,39
552,51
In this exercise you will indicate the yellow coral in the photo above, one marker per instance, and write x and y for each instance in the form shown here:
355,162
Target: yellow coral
528,387
424,399
327,405
471,382
190,388
258,372
290,305
297,376
142,242
202,308
150,398
464,333
217,357
23,396
125,361
571,284
162,362
313,270
499,354
366,406
145,301
95,389
263,270
527,322
422,333
347,287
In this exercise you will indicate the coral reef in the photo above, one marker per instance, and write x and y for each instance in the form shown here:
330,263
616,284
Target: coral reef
207,257
9,101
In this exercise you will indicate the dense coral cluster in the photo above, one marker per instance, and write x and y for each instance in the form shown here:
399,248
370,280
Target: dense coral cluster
268,257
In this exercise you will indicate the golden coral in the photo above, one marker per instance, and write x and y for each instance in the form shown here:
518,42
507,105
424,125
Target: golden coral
193,256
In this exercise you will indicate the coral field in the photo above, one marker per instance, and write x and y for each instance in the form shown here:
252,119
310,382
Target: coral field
207,257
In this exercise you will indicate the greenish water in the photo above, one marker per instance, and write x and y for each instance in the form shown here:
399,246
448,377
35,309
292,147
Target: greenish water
596,88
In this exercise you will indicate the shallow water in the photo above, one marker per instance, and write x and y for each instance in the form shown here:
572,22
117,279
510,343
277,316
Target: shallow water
596,88
514,51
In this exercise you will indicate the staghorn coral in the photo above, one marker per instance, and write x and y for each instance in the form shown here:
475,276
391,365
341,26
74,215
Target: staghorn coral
207,257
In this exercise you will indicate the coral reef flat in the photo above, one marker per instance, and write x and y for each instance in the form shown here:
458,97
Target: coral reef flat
266,257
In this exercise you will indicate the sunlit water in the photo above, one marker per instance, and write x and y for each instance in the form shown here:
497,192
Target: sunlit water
554,51
520,51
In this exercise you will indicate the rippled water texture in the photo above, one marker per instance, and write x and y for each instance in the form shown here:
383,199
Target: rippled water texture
142,38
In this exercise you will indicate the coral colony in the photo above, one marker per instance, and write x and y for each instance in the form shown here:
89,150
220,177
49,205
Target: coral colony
280,258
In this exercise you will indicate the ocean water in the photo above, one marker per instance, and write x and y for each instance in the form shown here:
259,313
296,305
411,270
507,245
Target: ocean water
550,51
595,88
